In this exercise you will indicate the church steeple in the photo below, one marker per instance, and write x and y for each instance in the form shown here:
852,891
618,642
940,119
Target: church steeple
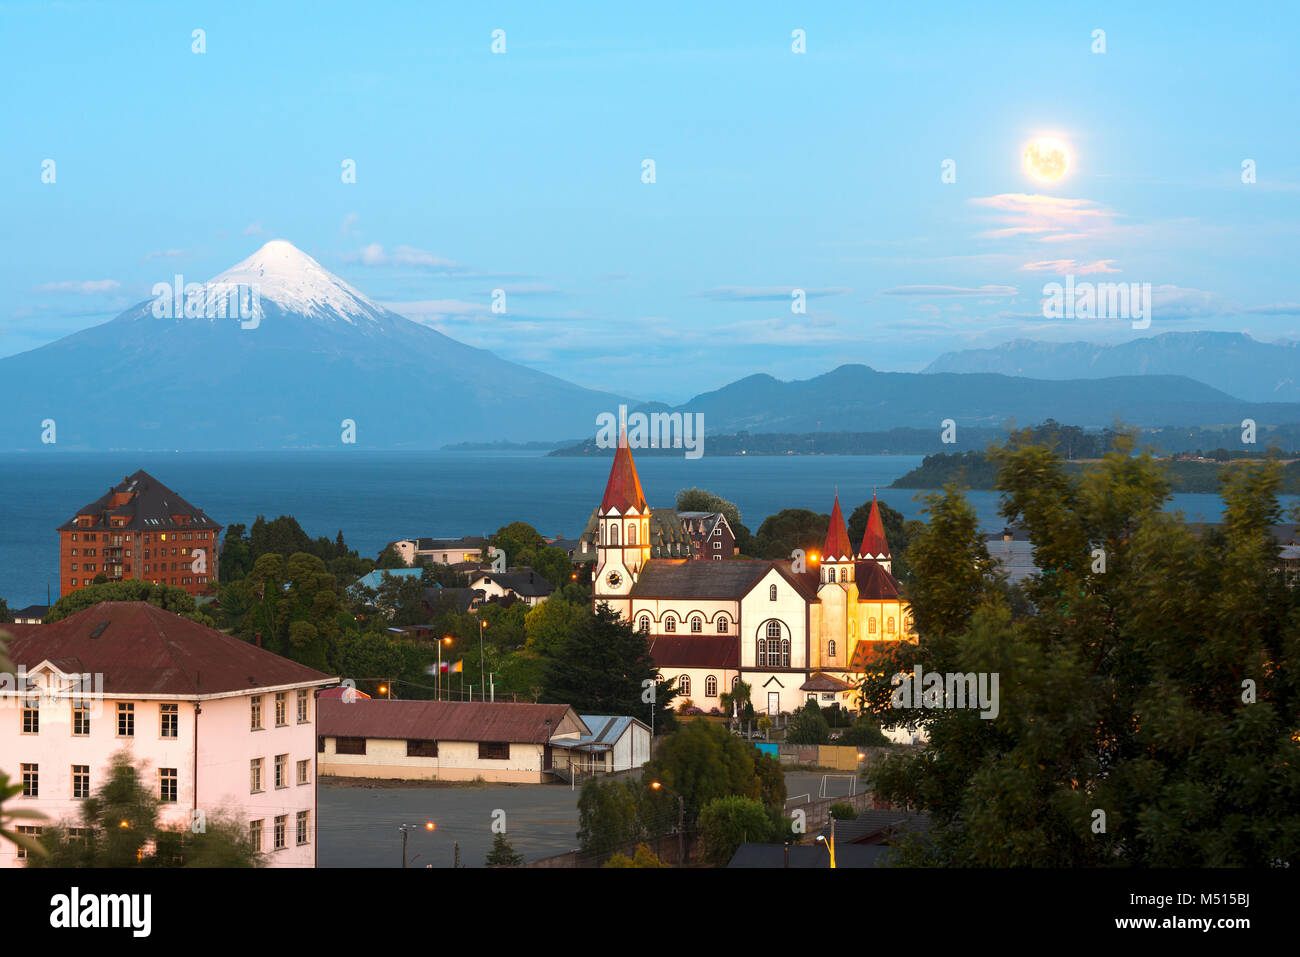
875,547
623,490
622,530
837,553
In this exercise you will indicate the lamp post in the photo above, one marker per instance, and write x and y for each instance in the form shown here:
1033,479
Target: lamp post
829,842
681,823
446,640
405,829
481,664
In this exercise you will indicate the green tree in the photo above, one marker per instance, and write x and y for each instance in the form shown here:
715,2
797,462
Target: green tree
547,626
609,814
728,822
1157,680
388,558
788,529
167,597
603,666
644,857
514,538
120,828
5,613
701,761
503,854
808,726
843,811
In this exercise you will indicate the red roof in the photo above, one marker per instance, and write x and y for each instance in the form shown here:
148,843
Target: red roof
837,547
866,652
874,583
141,649
443,720
337,693
874,544
705,651
623,490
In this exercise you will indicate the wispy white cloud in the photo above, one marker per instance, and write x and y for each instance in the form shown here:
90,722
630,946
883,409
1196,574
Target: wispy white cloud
376,255
1071,266
91,287
1047,218
766,293
254,229
987,291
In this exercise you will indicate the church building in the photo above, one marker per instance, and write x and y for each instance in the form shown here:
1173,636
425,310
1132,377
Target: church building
789,634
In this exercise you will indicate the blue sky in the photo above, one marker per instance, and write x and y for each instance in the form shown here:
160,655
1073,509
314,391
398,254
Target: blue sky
774,171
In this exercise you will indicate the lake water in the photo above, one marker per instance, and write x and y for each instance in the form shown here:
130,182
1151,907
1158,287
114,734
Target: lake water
379,497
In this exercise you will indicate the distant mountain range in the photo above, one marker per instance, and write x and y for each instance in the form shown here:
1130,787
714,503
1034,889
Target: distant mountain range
1230,361
320,353
858,398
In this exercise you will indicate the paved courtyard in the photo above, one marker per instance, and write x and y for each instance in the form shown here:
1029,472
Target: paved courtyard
358,824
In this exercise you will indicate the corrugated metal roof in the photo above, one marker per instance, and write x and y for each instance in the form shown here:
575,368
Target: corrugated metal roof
142,649
443,720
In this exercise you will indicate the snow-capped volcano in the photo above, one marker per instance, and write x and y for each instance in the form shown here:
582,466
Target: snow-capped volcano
319,354
283,274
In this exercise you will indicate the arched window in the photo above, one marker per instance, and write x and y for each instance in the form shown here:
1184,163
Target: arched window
722,625
774,644
735,680
613,534
645,623
844,574
684,684
771,593
871,626
785,653
907,623
697,625
830,648
760,659
889,625
710,687
670,623
631,534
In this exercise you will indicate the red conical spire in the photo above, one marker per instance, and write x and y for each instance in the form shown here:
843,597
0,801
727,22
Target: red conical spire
874,544
837,547
623,490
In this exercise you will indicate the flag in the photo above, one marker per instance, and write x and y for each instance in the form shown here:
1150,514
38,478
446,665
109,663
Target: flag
450,669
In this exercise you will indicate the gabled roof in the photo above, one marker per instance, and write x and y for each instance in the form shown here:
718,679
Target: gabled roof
522,581
874,583
874,544
145,503
469,542
623,490
837,547
820,681
141,649
444,720
728,580
695,651
866,651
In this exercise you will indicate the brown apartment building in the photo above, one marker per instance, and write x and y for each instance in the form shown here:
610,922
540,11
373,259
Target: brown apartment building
139,529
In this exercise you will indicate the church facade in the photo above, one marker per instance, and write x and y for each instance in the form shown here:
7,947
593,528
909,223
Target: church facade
790,633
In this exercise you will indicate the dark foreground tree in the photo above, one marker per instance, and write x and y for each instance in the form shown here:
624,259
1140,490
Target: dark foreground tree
119,827
503,854
1146,710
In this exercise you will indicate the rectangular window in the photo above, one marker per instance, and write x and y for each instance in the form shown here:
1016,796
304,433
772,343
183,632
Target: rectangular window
281,708
255,829
167,785
80,718
27,830
303,768
255,776
31,780
77,834
494,750
282,770
81,780
421,748
125,719
349,745
255,713
281,825
302,706
170,717
302,827
320,744
31,715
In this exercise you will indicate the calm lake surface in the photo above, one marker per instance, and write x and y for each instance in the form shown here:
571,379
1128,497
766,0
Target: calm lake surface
379,497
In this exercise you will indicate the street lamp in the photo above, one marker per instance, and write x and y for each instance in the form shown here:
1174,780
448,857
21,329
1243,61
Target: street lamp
405,828
681,823
829,842
446,640
481,665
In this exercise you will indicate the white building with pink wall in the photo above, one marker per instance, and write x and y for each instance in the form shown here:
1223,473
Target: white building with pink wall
220,727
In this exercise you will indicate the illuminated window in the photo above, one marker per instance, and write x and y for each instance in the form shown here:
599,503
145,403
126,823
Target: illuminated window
830,648
771,593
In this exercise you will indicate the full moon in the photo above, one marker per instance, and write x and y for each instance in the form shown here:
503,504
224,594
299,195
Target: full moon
1047,160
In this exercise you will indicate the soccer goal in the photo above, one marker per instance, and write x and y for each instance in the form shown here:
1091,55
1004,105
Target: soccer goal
836,783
